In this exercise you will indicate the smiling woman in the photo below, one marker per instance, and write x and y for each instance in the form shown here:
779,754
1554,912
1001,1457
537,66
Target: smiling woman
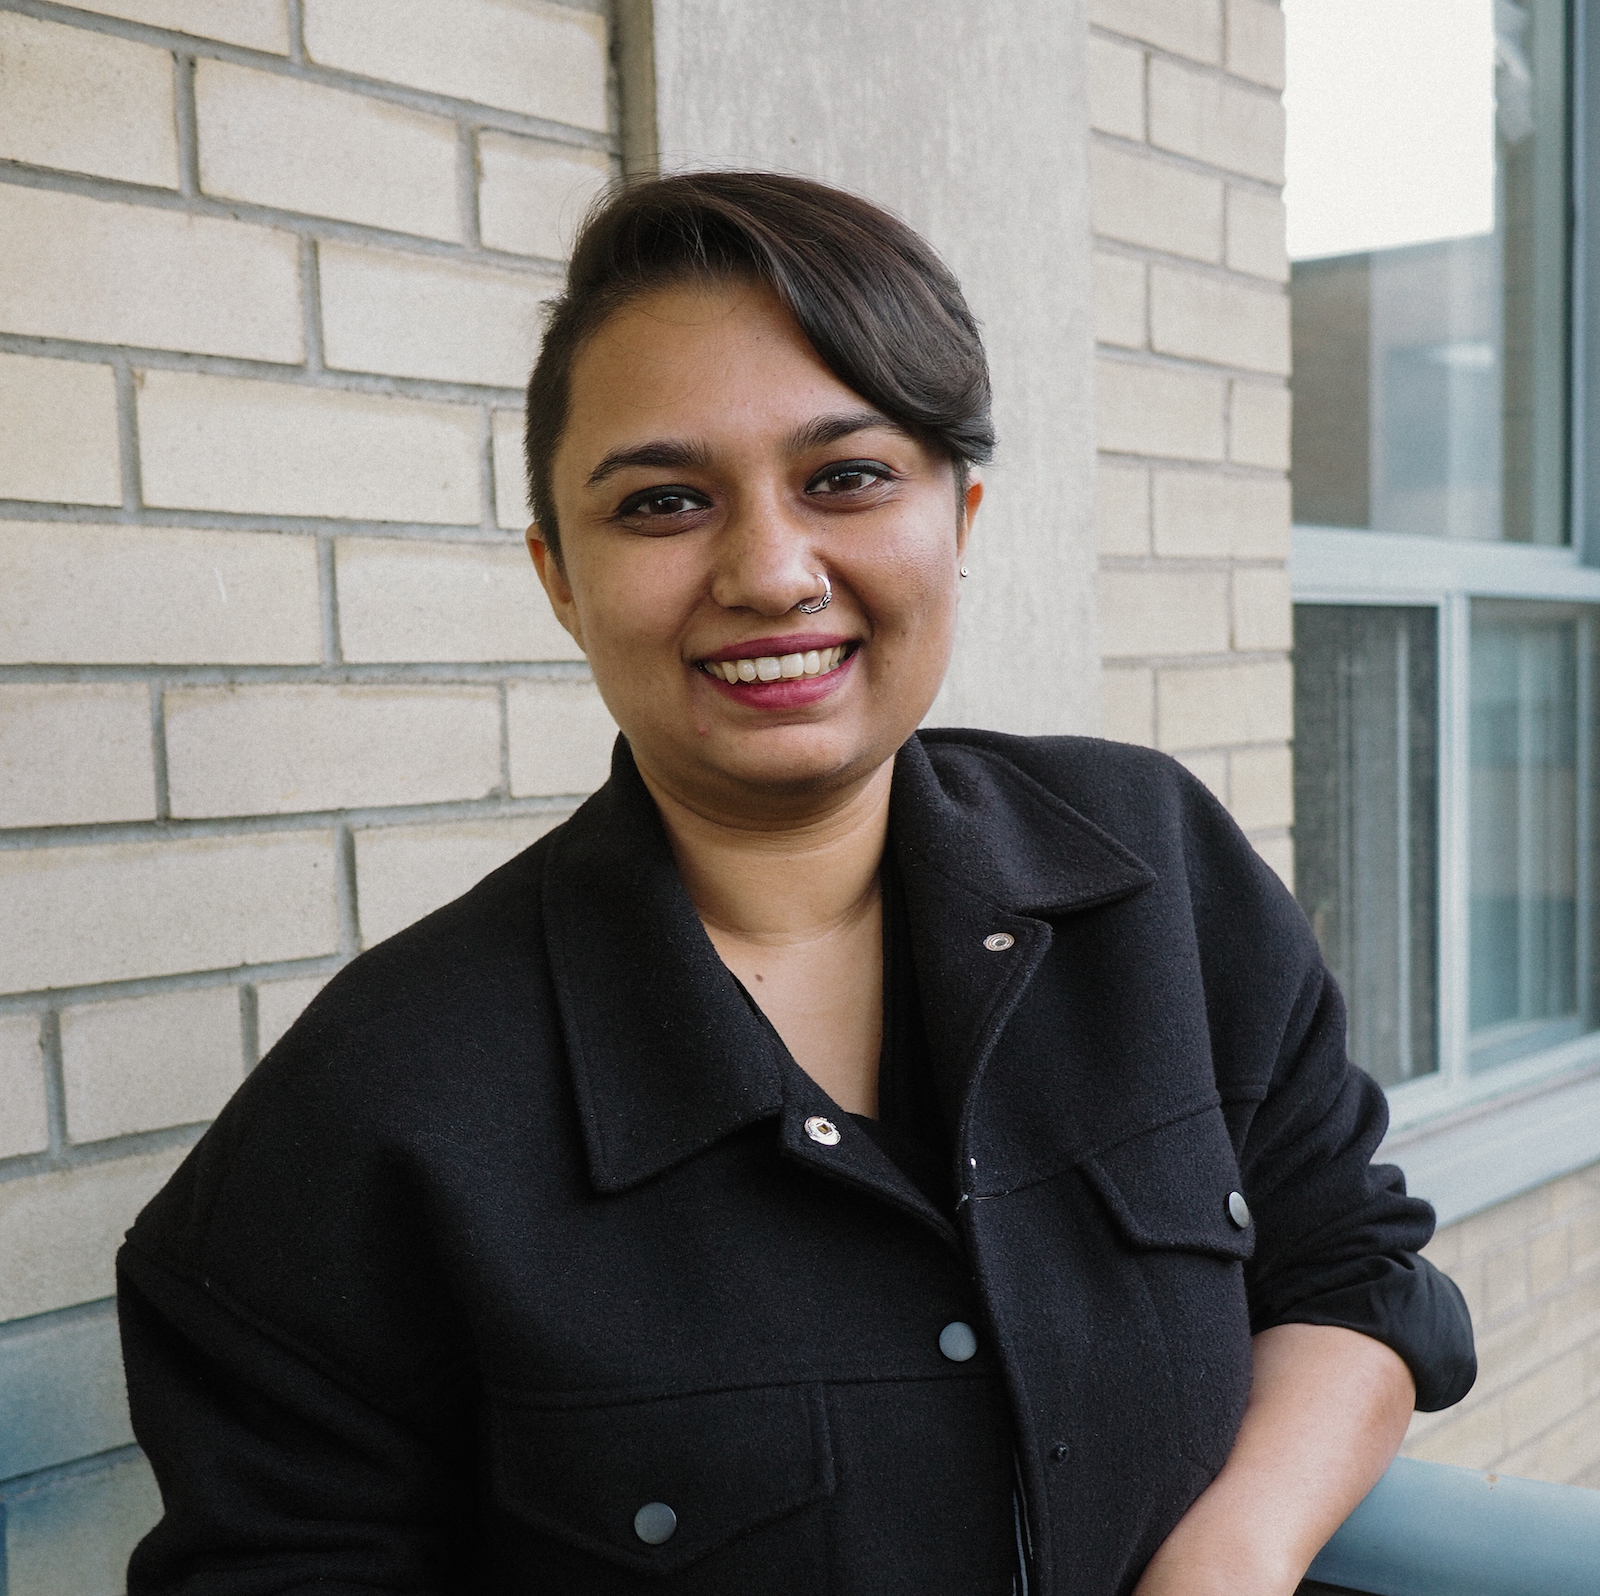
841,1158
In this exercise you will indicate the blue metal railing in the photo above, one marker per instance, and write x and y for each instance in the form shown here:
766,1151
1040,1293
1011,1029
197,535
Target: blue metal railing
1427,1529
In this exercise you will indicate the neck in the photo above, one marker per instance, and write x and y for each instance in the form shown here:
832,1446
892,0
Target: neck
781,884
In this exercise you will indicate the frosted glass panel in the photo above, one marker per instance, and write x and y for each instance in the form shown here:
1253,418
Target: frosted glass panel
1427,202
1530,819
1366,838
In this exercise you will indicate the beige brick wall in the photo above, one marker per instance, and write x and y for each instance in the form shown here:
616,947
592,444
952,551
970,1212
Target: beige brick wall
1192,330
1530,1271
276,677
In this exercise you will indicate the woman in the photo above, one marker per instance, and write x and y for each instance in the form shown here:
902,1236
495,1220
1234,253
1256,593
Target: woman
837,1159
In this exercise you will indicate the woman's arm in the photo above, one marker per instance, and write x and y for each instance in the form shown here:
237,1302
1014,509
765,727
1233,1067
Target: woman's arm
1328,1410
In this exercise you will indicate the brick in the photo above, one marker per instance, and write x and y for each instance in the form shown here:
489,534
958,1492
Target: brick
1533,1405
406,872
227,443
1149,612
59,1232
1116,88
77,1532
405,599
279,1004
1196,514
1565,1453
1507,1224
1263,614
561,737
1475,1440
1549,1261
100,272
1186,27
117,911
1585,1242
532,196
1128,706
1122,509
1119,301
1223,124
73,754
1199,316
24,1122
1505,1281
510,480
85,102
276,749
1255,229
77,594
1211,770
1142,199
1210,706
299,146
256,24
62,1395
1444,1250
1261,789
141,1064
1254,35
1258,425
58,431
1278,852
409,317
1156,410
519,55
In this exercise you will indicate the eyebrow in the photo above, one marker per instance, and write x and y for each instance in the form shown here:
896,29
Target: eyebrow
675,454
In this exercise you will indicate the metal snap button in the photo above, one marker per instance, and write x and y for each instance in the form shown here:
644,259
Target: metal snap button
655,1523
999,941
957,1341
822,1130
1238,1209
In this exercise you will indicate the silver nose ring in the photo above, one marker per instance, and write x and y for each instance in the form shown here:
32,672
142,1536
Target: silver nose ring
823,602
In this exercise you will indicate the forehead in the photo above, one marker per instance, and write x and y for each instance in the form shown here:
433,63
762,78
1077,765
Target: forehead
701,360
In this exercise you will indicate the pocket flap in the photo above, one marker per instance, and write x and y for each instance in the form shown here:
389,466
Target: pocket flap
724,1462
1168,1188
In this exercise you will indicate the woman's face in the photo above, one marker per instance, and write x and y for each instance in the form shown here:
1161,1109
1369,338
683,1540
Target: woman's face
712,471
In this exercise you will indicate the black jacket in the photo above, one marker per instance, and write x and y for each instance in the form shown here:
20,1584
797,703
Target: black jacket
520,1228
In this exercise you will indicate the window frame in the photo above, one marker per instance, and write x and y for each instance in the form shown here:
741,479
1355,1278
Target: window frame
1469,1140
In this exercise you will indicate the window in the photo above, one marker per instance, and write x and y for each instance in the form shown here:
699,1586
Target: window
1446,623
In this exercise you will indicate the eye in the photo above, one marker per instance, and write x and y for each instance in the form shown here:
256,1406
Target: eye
849,477
661,504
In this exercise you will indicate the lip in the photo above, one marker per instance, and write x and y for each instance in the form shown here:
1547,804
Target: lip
788,692
788,643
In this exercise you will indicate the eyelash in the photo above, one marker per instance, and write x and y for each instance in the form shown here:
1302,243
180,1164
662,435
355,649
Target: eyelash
636,503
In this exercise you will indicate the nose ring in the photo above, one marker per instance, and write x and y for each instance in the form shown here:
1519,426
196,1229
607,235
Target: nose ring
823,602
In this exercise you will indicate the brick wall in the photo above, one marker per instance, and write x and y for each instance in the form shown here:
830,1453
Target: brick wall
1192,333
1530,1271
275,675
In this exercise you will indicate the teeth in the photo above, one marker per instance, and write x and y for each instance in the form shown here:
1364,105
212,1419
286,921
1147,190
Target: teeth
772,667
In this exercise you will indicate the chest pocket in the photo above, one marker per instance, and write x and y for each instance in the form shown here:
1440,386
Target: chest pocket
1170,1188
725,1463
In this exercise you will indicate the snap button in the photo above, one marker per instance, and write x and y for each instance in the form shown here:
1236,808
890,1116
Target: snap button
1238,1209
1060,1452
957,1341
999,941
655,1523
822,1130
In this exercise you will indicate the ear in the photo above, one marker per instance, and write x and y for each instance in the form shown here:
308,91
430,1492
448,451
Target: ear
554,581
970,500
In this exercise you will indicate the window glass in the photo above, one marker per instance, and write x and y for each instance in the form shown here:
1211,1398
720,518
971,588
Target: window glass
1366,839
1428,233
1531,823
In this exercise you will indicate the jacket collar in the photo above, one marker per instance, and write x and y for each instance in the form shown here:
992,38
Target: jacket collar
668,1057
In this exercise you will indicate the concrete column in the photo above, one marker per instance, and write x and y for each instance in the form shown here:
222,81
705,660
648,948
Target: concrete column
967,118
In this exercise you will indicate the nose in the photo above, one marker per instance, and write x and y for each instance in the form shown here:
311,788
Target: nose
765,561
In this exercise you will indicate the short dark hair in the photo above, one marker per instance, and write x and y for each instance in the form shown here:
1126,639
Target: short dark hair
882,311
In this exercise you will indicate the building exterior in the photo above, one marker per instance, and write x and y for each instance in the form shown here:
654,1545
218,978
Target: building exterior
276,679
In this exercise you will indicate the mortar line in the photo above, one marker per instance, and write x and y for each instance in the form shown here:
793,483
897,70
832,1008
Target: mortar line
414,98
470,534
296,22
128,435
311,303
476,674
188,131
349,903
505,740
486,483
328,599
85,1155
158,748
467,175
249,1026
55,1086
